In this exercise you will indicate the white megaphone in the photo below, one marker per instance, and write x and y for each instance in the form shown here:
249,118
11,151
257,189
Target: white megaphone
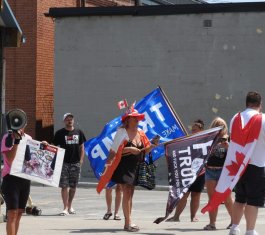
16,119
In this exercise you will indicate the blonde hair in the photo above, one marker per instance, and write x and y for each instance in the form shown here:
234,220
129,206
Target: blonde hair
220,122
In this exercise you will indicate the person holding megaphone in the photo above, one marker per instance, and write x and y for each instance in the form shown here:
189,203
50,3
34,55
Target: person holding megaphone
14,189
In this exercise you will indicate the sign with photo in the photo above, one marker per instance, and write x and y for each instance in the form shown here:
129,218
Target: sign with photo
37,162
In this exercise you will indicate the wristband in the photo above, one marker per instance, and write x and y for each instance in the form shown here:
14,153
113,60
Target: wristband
16,141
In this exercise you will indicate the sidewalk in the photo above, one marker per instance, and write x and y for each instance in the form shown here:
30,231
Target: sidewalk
90,207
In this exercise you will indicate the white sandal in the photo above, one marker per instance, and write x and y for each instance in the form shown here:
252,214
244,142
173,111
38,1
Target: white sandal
64,213
72,211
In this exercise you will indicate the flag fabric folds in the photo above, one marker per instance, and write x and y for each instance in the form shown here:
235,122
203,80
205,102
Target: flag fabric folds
242,144
186,158
160,119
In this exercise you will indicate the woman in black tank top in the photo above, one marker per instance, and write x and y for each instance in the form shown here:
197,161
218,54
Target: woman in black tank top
214,167
127,170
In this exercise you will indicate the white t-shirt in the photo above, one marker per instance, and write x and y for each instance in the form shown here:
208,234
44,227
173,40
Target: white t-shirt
258,155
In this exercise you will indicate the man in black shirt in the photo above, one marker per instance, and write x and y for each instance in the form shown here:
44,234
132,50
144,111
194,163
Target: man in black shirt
72,140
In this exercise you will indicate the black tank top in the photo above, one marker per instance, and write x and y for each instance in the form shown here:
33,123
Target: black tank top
218,156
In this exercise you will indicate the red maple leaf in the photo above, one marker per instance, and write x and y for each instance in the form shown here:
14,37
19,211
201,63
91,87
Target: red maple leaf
234,167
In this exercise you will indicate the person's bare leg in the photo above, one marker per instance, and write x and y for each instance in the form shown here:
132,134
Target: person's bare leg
126,204
20,212
229,206
194,205
71,197
64,194
210,186
118,193
237,212
181,206
11,224
108,196
251,213
132,193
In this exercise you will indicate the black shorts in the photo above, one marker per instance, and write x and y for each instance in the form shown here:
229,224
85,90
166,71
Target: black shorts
250,188
198,184
15,191
70,175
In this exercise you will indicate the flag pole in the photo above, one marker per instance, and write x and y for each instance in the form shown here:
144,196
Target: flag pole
172,110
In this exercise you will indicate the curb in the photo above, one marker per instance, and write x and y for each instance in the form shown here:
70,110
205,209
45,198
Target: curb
94,185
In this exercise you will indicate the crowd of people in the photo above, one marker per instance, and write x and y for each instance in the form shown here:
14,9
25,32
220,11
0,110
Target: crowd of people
249,191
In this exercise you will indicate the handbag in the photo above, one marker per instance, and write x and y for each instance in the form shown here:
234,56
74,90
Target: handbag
146,174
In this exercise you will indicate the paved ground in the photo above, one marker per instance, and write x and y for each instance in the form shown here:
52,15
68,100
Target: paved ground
90,208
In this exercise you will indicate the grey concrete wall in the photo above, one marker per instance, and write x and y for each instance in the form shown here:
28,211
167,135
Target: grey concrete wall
205,71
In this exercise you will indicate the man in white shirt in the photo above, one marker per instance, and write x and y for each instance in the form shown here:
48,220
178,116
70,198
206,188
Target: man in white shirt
250,189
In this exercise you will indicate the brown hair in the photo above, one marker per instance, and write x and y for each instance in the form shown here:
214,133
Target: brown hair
199,123
253,99
125,123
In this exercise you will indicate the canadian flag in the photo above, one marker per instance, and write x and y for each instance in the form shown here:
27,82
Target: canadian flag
122,104
242,144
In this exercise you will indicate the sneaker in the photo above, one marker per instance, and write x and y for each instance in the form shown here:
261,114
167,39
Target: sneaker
235,231
72,211
253,233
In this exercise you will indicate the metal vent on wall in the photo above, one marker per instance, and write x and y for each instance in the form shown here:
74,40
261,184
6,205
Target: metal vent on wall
207,23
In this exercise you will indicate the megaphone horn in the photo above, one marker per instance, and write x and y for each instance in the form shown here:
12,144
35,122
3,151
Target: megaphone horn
16,119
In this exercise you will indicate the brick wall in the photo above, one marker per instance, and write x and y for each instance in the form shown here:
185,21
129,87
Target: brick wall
45,67
29,69
21,63
108,3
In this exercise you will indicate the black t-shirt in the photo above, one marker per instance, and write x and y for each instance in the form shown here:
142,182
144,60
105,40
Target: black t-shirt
70,141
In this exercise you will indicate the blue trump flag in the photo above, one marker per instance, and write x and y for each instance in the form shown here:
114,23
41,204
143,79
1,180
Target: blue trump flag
160,119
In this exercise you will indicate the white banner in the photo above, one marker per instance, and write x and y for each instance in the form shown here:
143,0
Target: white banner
37,162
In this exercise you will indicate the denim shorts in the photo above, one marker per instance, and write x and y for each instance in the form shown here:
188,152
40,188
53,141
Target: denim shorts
213,174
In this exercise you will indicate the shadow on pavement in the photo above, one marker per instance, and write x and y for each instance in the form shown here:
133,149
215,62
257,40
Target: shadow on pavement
192,229
49,215
94,231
